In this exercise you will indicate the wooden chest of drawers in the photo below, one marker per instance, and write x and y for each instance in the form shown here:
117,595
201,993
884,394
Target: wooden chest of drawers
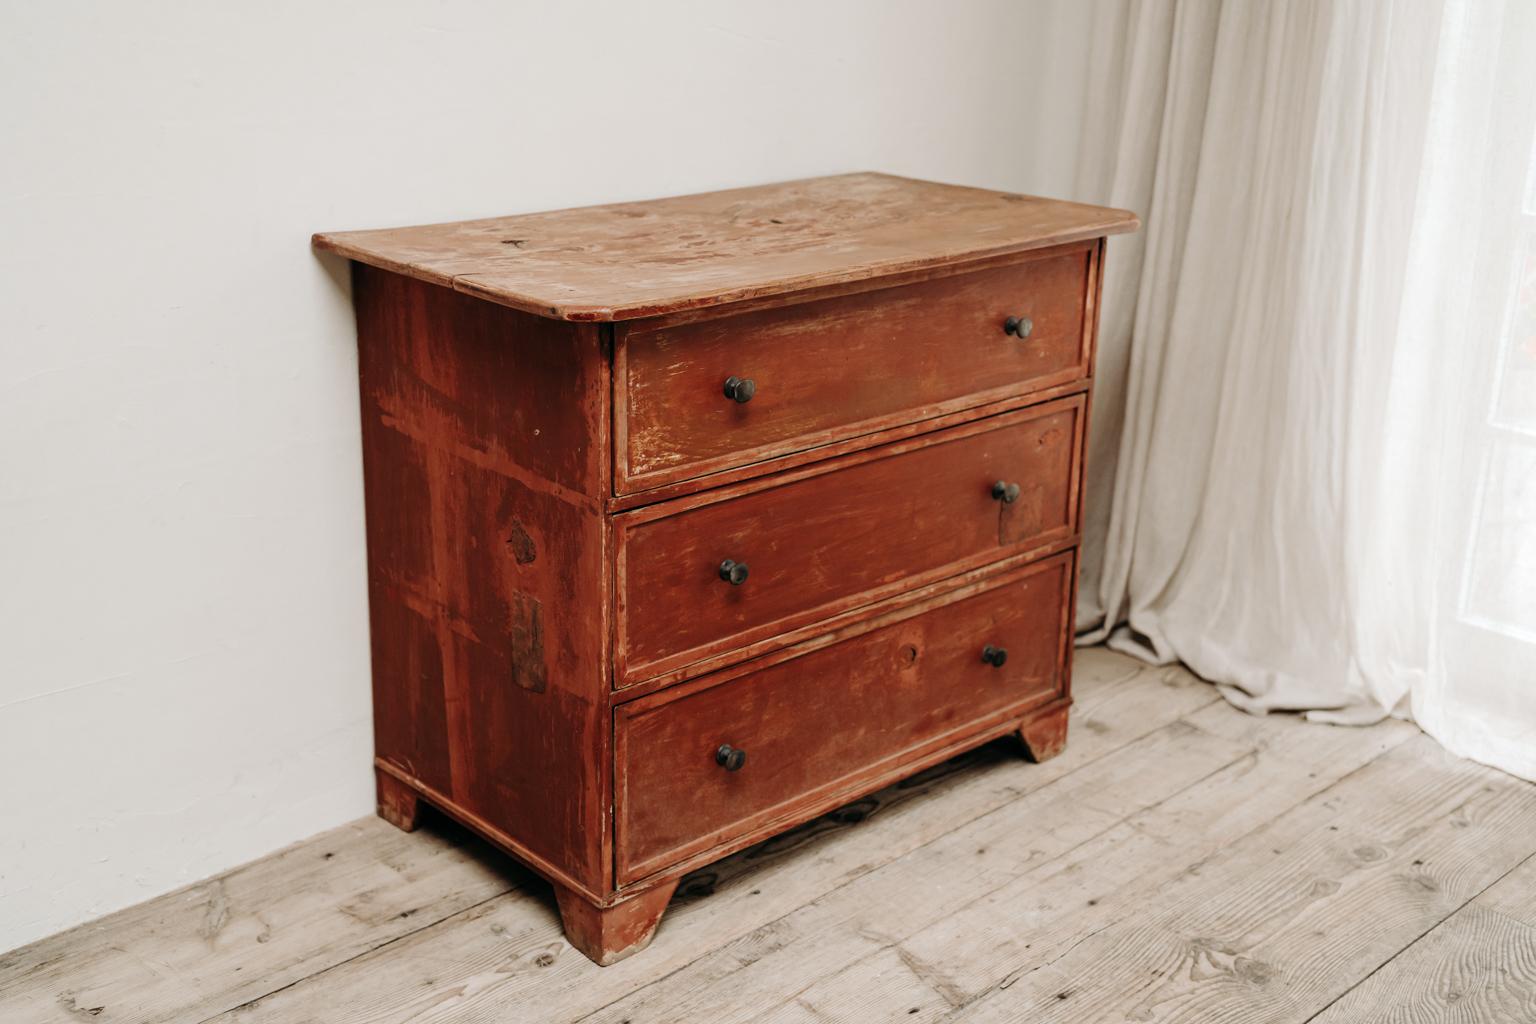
691,519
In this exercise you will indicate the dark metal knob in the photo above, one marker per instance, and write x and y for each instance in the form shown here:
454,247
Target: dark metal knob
740,389
734,573
730,758
1019,325
994,656
1005,492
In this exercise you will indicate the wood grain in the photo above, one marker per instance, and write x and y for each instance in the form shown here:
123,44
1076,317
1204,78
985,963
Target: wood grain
1514,895
882,987
628,260
1476,967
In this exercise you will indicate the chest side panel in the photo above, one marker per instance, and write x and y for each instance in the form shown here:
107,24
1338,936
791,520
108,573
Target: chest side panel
485,459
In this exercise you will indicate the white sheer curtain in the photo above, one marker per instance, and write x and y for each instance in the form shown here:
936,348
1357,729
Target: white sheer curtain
1322,492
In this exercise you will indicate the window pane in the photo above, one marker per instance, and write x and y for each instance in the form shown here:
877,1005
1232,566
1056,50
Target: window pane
1515,404
1501,581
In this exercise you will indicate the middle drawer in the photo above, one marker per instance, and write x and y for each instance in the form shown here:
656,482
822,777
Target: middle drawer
709,574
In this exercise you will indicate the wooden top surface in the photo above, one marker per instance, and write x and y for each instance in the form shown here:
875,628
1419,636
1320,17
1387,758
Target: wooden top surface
627,260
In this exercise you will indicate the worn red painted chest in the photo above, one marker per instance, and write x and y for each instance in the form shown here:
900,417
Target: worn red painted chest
691,519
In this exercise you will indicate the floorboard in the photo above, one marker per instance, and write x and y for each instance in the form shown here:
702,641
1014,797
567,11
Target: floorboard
192,954
1283,922
1475,967
1180,861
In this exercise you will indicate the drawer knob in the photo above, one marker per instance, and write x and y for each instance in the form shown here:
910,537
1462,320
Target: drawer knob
1019,325
1005,492
730,758
740,389
734,573
994,656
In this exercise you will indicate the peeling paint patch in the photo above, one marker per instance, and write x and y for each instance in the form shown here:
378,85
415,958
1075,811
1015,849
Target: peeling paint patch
521,544
526,632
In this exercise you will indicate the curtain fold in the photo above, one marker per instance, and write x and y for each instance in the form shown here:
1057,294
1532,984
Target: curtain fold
1314,447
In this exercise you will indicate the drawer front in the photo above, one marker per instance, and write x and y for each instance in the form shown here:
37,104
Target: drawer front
837,368
841,534
819,727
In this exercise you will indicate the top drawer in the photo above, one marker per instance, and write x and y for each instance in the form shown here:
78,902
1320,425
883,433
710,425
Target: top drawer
837,368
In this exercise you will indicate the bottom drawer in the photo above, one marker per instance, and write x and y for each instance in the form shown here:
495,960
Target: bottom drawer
833,721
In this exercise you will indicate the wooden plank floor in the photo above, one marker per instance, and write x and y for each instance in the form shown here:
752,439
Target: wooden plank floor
1181,861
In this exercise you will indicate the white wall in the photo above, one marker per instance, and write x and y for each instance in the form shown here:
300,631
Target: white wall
183,632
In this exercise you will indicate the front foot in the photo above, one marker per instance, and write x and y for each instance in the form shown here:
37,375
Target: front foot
1045,735
606,935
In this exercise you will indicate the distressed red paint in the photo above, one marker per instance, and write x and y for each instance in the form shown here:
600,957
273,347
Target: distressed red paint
556,659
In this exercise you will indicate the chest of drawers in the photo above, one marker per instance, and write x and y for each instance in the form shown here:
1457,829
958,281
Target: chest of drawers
691,519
